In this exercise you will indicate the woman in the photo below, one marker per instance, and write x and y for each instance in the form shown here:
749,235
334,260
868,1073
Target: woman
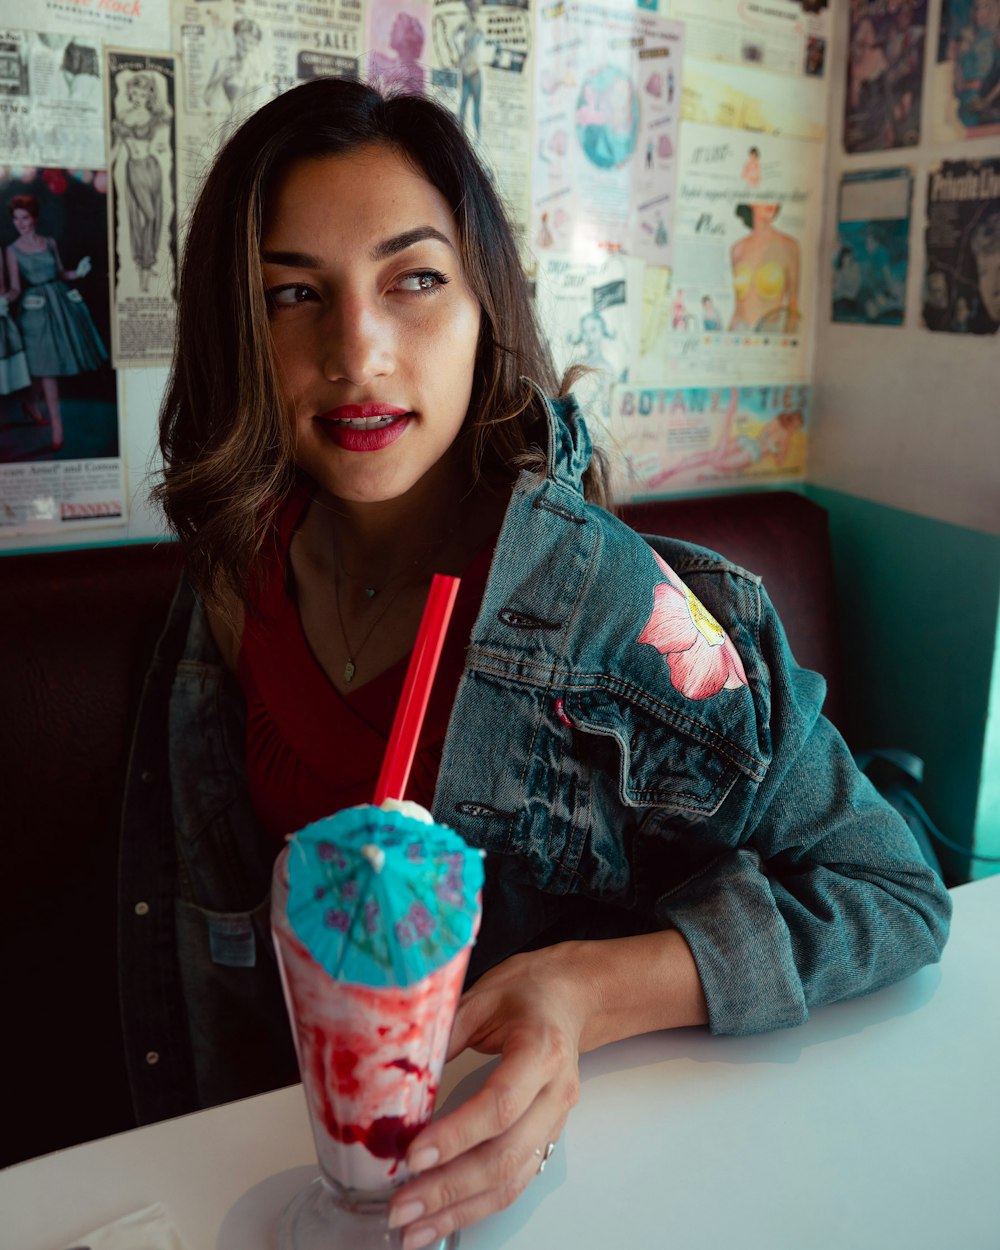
238,76
60,338
136,129
765,267
675,836
14,374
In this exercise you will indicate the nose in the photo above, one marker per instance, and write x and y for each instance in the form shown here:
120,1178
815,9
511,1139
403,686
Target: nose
357,341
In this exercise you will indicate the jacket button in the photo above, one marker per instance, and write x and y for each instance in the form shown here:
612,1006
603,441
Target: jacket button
146,775
142,909
152,1057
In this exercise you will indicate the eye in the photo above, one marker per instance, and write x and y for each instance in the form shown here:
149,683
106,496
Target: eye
289,295
422,282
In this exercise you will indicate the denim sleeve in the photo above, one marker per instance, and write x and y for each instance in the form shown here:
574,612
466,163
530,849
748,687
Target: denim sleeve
826,895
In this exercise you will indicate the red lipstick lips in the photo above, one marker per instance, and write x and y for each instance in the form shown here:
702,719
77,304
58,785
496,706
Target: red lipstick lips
365,427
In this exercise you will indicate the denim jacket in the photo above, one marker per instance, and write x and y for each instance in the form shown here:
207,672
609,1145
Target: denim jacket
631,742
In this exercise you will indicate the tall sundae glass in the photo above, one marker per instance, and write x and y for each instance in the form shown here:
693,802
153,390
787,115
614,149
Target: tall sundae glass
374,912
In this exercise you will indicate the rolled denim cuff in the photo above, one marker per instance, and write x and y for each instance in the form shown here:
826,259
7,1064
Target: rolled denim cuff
741,945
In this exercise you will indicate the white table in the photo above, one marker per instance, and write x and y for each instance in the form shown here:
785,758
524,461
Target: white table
875,1126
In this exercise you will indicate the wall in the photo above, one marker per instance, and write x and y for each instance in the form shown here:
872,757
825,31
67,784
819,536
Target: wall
904,455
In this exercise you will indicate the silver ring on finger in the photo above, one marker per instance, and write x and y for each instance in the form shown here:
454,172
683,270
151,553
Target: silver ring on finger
544,1157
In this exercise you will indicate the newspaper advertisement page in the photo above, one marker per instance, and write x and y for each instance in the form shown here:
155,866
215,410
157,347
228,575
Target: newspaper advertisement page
134,23
590,313
669,440
962,276
142,203
482,60
747,230
873,246
885,75
965,82
782,36
609,97
745,99
60,437
238,54
397,45
50,100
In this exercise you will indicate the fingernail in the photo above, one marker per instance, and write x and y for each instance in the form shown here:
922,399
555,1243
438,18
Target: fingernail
423,1160
405,1214
414,1238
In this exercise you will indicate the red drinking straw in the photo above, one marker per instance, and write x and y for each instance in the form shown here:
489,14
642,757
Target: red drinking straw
409,718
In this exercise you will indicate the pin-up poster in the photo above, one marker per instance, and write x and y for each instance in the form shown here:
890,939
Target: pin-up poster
885,75
743,98
781,36
607,115
397,45
142,203
962,277
746,224
590,314
60,440
482,58
873,244
965,85
50,100
670,440
134,23
238,54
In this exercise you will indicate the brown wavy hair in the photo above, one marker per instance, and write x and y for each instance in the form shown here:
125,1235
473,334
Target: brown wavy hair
227,443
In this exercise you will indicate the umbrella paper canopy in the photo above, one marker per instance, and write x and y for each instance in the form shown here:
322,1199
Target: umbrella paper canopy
381,898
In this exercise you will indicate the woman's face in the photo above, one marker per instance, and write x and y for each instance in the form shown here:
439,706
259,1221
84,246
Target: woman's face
23,220
374,324
139,92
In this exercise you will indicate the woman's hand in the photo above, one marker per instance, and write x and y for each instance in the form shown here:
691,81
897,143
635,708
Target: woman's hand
532,1010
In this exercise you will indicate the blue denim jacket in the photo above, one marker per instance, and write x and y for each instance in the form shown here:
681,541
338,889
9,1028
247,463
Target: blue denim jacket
631,754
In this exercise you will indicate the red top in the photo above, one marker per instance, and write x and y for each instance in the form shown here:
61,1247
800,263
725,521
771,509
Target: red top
311,750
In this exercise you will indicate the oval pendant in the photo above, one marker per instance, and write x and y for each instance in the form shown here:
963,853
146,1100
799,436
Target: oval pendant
349,670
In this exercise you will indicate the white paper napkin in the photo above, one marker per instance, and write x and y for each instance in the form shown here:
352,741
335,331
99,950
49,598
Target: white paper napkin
148,1229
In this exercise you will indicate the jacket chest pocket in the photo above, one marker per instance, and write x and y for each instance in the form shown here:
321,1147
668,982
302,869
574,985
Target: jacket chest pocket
653,762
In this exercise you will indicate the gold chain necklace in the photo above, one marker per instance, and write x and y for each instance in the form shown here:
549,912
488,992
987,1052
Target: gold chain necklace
354,653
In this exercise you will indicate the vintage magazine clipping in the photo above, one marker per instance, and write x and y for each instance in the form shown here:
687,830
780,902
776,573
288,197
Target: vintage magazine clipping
609,101
746,225
780,36
60,435
668,440
590,312
482,71
965,83
238,54
397,45
962,276
142,203
132,23
871,257
50,100
745,99
885,75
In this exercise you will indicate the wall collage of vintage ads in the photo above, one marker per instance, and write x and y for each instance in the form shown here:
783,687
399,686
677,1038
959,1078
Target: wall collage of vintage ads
662,162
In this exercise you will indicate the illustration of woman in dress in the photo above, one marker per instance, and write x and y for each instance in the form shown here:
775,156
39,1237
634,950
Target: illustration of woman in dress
750,173
736,453
238,75
868,125
469,40
136,130
14,374
60,339
593,333
402,71
765,268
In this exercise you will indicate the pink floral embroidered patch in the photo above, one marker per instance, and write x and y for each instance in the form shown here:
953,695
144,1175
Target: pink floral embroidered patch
701,659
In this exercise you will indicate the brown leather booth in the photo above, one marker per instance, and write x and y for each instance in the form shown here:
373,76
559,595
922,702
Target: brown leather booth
76,630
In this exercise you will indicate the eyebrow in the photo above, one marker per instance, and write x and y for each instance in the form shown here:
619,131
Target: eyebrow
381,251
